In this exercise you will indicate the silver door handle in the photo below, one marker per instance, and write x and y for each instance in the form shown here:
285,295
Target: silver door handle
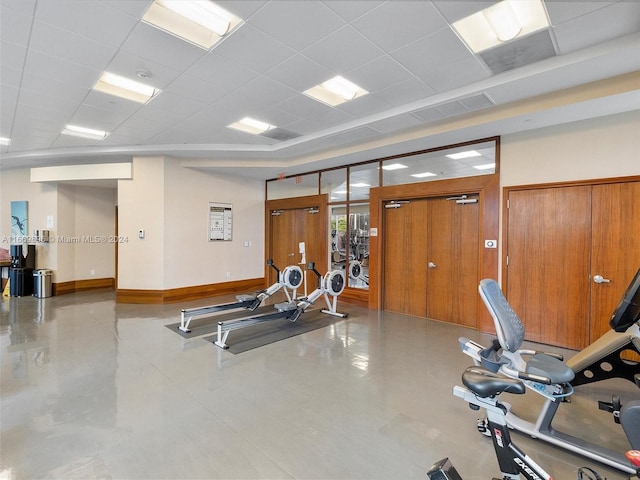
601,279
431,265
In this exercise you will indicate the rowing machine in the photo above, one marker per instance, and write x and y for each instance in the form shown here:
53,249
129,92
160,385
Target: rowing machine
288,279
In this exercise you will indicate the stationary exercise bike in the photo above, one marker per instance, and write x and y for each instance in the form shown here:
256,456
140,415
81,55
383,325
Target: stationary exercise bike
605,358
482,390
547,375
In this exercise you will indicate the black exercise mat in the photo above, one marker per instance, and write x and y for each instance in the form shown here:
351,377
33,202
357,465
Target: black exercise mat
254,336
203,325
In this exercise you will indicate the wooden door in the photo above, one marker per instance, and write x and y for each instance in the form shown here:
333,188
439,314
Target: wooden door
283,249
548,255
452,261
404,256
288,229
615,248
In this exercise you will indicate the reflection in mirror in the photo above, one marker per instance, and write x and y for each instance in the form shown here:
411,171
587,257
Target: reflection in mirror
334,183
339,238
458,162
358,267
361,179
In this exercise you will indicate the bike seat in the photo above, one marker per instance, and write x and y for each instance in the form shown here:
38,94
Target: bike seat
485,383
552,368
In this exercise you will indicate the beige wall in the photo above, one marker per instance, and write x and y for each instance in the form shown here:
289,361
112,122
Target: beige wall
171,204
141,207
191,259
42,198
602,147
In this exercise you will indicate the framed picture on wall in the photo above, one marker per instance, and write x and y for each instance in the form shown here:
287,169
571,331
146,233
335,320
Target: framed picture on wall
19,221
220,221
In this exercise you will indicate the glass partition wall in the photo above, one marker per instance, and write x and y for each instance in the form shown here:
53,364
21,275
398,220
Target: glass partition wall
348,188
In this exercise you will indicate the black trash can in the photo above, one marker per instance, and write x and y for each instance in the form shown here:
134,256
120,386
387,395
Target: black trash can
21,282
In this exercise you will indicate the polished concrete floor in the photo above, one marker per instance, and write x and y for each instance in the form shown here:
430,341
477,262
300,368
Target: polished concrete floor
91,389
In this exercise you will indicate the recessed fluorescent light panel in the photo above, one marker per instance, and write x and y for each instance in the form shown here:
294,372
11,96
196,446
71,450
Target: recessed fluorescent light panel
467,154
251,125
486,166
5,141
502,22
394,166
125,88
359,185
82,132
335,91
200,22
424,174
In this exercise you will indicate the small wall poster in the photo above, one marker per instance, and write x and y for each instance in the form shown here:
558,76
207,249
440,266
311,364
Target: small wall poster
19,221
220,221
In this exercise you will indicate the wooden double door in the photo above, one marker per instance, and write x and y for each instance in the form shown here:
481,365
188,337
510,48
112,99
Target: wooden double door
430,259
560,241
290,227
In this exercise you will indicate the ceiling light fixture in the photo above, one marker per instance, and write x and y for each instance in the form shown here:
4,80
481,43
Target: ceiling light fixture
113,84
486,166
5,141
501,22
394,166
466,154
424,174
335,91
251,125
200,22
359,185
83,132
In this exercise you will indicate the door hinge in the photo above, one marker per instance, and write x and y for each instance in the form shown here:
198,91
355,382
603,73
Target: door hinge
507,260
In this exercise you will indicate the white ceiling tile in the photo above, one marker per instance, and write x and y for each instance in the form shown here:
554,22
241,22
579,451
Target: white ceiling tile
126,64
406,92
343,50
92,117
254,49
560,11
12,62
305,107
379,73
350,10
454,11
26,7
93,20
365,106
54,41
176,54
435,51
300,73
395,123
221,74
619,19
105,102
463,72
265,92
194,89
297,23
399,23
14,26
242,9
135,8
60,70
